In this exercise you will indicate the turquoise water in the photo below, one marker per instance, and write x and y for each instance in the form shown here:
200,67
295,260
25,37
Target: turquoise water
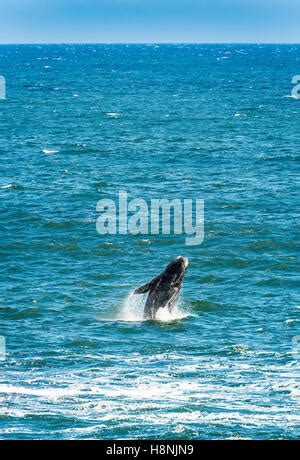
81,123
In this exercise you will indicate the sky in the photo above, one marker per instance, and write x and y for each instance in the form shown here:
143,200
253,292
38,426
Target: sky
149,21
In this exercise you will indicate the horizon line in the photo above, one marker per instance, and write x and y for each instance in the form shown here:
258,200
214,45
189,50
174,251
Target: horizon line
148,43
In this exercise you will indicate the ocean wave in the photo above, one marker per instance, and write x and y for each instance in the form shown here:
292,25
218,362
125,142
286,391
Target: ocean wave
11,186
49,152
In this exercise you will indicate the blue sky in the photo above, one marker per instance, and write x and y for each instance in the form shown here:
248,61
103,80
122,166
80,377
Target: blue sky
141,21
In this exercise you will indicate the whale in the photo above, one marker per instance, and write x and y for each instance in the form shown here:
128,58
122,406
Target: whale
164,289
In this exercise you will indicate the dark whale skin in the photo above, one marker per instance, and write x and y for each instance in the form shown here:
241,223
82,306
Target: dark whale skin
164,289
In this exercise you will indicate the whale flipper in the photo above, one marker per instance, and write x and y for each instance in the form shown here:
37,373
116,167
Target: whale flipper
148,286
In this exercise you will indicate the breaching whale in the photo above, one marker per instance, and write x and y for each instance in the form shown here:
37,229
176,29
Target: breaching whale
164,289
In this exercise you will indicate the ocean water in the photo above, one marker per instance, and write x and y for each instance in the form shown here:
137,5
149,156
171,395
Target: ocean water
81,123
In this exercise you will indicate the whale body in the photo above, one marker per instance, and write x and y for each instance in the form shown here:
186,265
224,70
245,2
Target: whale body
164,289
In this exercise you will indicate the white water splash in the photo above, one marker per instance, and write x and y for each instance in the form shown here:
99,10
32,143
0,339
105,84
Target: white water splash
133,308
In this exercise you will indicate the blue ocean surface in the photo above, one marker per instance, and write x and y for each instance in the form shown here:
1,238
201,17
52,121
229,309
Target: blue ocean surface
214,122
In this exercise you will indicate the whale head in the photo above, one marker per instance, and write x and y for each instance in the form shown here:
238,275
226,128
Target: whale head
176,269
